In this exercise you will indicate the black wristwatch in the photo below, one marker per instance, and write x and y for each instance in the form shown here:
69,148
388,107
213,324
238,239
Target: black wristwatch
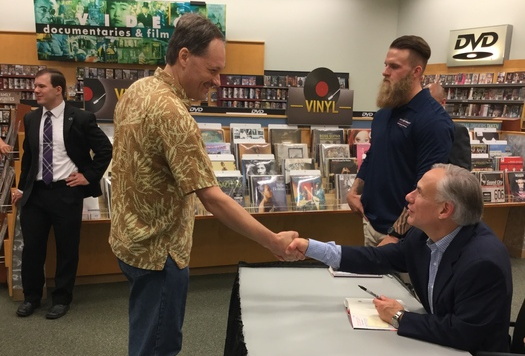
392,232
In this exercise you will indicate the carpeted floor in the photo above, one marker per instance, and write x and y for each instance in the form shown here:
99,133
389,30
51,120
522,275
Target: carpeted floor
97,322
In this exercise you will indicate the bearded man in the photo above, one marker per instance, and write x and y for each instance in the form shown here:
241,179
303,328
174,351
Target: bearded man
410,133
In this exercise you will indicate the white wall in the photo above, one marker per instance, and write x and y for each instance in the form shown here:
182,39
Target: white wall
343,35
433,20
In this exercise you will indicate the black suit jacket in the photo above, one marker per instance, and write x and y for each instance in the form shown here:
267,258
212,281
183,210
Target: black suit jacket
461,154
472,291
81,136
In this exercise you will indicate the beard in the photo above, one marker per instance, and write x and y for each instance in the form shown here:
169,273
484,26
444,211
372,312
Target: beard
396,94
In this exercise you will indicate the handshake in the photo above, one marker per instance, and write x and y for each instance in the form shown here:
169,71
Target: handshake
288,246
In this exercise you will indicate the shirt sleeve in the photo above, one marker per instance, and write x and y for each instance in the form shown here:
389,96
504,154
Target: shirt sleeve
327,252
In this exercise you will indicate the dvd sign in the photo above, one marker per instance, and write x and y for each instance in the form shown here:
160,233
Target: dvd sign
479,46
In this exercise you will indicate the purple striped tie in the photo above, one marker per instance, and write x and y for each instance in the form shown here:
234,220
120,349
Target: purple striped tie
47,150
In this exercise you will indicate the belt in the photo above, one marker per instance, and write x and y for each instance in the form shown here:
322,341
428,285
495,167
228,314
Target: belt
53,185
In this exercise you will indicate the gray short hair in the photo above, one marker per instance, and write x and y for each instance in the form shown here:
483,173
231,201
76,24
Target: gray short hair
461,188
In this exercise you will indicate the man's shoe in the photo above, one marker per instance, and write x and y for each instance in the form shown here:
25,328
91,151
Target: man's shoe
27,308
57,311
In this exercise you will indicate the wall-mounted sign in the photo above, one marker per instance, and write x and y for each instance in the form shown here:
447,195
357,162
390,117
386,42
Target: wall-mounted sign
101,96
112,31
322,101
479,46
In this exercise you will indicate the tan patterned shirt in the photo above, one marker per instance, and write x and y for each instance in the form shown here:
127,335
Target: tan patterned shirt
159,160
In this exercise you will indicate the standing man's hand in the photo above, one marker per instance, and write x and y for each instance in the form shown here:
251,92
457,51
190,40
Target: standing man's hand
354,201
16,196
353,197
5,148
280,248
76,179
388,240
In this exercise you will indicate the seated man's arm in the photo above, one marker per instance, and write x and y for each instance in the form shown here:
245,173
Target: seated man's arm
471,311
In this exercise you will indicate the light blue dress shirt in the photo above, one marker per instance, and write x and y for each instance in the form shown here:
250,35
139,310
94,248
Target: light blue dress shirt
437,249
330,254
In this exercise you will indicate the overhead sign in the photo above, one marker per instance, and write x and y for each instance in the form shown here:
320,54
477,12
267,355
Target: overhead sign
113,31
322,101
479,46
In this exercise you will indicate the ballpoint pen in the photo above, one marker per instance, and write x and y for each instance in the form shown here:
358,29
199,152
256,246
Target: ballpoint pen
369,292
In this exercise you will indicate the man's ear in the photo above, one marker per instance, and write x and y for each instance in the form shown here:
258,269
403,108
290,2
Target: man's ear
447,209
184,54
418,71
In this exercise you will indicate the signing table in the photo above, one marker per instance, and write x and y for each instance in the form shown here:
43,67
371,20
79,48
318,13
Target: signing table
300,311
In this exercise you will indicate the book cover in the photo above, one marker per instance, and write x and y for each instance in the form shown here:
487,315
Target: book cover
290,150
223,162
479,148
363,314
482,164
217,148
492,186
230,183
361,150
343,183
291,164
307,190
498,148
257,165
511,163
335,273
320,136
253,148
268,193
515,186
329,151
282,135
212,135
249,132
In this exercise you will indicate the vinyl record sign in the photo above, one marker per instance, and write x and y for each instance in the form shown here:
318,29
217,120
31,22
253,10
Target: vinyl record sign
322,101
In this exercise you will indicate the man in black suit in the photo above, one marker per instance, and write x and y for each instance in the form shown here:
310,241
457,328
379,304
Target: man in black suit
460,154
58,172
459,268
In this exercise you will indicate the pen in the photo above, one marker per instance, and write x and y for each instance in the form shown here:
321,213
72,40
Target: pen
369,292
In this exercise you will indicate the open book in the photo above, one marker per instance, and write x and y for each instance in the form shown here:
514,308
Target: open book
363,314
350,274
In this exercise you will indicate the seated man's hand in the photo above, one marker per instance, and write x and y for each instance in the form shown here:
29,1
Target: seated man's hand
299,244
285,238
387,308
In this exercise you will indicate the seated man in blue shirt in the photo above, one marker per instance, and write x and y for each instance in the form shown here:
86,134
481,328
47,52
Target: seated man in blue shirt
459,269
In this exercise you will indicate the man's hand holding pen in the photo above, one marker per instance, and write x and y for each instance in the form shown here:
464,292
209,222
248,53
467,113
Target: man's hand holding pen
387,308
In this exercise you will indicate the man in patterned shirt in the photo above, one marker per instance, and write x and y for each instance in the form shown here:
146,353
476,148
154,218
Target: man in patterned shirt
159,161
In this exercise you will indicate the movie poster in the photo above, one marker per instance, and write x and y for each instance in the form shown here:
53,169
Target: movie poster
112,31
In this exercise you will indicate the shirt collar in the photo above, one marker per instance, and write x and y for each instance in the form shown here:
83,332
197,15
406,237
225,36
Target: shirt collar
57,111
443,243
167,78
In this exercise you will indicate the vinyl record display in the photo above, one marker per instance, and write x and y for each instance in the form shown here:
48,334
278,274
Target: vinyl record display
94,95
321,84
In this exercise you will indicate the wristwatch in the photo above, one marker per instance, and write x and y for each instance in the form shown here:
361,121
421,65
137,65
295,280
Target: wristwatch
396,318
392,232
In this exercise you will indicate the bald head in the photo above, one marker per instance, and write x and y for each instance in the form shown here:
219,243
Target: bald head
438,93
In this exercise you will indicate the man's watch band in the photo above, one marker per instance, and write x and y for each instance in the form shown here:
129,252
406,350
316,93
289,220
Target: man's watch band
396,318
392,232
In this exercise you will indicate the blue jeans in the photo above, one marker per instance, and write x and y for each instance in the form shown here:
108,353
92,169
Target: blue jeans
157,303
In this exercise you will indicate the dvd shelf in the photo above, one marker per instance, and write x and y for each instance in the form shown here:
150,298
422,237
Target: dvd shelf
268,91
482,95
19,78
